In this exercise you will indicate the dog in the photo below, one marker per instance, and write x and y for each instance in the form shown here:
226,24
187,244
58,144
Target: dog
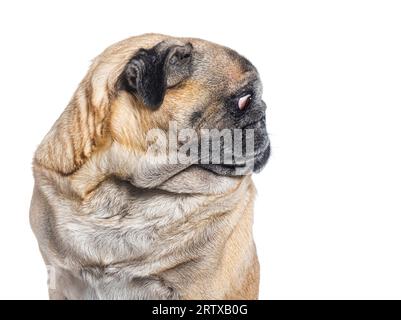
115,221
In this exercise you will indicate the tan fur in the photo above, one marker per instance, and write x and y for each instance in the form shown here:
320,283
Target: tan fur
101,135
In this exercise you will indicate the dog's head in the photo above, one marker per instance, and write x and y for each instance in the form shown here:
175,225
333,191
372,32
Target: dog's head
153,81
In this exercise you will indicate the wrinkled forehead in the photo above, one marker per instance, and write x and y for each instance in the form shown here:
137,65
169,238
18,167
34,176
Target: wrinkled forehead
220,66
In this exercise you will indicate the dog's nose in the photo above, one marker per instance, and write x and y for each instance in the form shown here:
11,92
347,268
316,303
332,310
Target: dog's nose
244,102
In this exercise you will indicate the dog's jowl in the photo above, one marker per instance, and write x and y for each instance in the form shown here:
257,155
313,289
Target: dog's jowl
143,186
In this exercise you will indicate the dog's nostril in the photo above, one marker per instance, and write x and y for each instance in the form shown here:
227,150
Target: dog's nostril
244,102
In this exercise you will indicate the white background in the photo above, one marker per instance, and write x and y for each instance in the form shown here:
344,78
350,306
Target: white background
328,214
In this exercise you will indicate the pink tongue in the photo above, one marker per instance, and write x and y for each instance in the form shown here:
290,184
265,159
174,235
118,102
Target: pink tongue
243,101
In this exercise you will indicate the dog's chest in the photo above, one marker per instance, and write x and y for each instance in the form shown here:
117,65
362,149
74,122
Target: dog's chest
122,226
125,238
128,243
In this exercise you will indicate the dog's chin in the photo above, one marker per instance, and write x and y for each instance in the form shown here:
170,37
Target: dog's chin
255,165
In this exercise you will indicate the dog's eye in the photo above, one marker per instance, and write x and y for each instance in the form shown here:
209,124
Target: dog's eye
244,101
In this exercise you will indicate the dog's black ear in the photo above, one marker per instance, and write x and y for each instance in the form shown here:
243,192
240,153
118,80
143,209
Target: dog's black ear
150,72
